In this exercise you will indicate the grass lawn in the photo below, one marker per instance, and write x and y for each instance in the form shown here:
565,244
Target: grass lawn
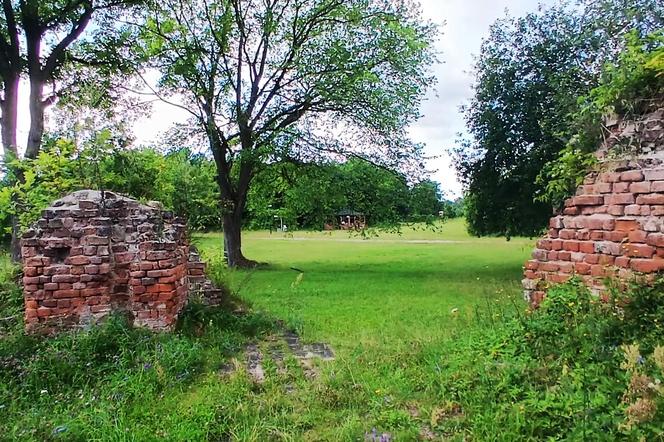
382,292
390,307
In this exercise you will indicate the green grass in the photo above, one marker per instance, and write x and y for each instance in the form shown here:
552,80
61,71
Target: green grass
387,306
383,291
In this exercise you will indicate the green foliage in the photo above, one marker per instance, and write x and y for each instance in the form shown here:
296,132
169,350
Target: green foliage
123,371
561,177
11,296
309,195
637,78
305,196
182,181
425,201
626,88
307,81
192,188
557,372
453,209
434,343
51,175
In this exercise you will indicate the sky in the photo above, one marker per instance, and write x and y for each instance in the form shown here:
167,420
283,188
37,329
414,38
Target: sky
463,25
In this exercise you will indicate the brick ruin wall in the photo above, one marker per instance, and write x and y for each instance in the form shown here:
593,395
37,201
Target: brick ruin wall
614,226
94,253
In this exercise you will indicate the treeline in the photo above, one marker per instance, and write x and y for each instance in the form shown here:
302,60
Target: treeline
302,195
310,195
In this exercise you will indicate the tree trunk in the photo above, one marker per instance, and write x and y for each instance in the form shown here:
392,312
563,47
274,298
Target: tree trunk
16,240
233,242
9,110
37,107
233,198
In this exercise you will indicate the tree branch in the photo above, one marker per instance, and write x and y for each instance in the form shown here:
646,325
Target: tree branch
75,32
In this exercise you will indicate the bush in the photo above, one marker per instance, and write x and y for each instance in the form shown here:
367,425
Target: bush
11,298
560,372
627,88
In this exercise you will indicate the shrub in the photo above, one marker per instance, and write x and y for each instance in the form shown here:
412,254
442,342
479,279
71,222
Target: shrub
559,372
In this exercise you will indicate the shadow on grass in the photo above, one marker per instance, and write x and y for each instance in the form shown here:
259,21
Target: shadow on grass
457,272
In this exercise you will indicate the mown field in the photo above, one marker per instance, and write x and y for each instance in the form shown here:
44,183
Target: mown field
384,292
384,305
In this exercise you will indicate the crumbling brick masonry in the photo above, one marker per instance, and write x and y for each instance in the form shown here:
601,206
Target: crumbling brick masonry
614,226
93,253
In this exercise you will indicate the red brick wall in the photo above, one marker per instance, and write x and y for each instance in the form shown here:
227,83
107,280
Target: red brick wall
88,256
614,226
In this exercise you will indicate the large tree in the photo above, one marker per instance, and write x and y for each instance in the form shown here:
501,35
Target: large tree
529,74
38,41
279,80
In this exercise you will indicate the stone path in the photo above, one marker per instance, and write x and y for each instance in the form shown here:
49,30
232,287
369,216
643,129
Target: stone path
277,348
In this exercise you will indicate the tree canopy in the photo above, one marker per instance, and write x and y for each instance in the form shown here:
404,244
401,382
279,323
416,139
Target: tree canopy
529,76
291,81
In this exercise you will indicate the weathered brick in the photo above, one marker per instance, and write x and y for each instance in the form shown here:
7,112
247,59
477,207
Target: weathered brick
563,234
657,186
43,312
566,267
31,280
571,246
65,278
620,187
85,274
78,260
640,187
627,225
157,255
616,236
66,293
608,248
632,175
588,200
582,268
638,250
34,262
654,174
622,261
556,222
159,273
633,210
96,240
651,199
596,222
655,239
557,278
620,199
609,177
637,236
656,211
597,235
616,210
647,265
